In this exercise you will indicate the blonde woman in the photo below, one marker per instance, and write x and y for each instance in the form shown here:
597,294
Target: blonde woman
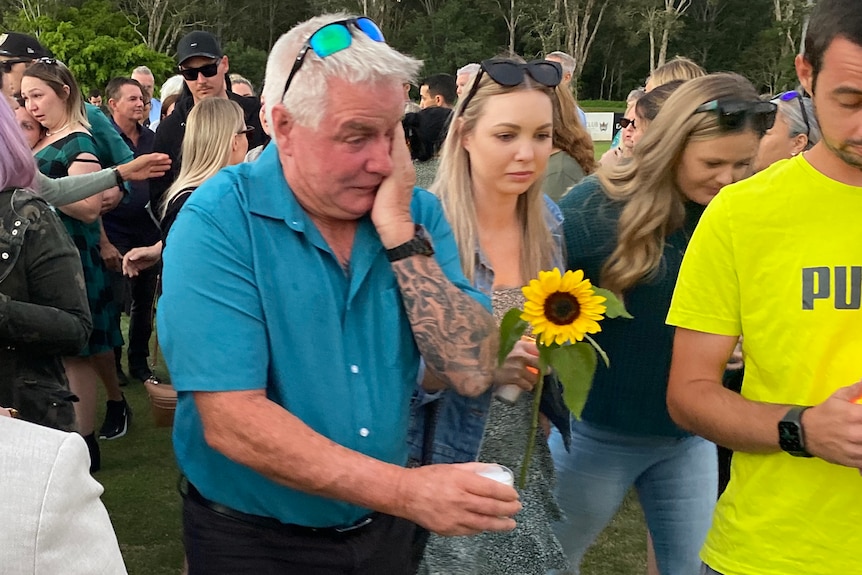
490,183
677,68
215,138
52,97
629,229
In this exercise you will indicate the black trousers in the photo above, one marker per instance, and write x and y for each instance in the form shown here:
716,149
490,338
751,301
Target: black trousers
220,545
135,296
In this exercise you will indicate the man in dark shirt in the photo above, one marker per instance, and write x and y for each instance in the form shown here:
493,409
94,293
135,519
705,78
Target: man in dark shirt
129,226
204,68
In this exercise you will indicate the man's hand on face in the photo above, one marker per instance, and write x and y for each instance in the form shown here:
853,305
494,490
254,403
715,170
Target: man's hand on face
391,211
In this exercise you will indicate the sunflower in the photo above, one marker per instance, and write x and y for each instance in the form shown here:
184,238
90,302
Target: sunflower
562,308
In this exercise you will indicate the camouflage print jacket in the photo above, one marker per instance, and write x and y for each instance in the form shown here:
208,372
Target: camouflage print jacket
43,310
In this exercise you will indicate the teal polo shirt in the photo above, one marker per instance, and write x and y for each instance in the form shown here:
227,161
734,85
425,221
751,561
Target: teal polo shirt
254,298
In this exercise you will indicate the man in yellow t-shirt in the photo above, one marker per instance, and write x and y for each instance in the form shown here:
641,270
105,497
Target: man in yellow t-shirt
778,257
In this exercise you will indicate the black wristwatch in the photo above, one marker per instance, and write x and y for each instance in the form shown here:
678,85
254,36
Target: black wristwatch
791,436
420,245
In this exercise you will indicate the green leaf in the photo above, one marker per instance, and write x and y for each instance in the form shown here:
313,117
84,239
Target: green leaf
599,349
614,305
511,329
575,366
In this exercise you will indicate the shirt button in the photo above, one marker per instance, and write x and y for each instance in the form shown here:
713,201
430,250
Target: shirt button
364,432
354,369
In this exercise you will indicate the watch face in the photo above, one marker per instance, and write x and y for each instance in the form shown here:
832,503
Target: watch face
788,436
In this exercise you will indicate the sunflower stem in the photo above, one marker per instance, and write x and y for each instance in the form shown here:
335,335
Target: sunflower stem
534,426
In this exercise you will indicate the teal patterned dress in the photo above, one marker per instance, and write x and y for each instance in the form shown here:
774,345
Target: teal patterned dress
54,161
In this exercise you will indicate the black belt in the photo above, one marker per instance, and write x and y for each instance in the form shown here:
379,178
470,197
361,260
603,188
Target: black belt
189,491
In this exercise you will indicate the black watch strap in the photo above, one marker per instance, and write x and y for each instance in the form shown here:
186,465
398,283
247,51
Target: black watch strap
791,435
420,245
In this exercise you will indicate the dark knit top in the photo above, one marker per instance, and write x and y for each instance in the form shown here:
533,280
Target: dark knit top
628,397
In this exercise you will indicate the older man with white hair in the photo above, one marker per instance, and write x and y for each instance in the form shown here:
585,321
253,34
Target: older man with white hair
144,76
568,64
463,75
295,343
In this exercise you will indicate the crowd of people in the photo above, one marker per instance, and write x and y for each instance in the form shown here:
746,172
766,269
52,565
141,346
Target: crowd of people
328,263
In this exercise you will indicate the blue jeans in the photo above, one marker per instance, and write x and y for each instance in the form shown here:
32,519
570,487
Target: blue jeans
676,482
707,570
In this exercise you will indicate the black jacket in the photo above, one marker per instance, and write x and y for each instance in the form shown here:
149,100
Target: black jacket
43,310
172,130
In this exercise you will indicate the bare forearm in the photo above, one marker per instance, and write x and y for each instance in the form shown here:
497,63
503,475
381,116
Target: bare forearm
252,430
456,336
725,417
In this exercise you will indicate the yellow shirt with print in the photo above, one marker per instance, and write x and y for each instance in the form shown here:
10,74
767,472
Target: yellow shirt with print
778,258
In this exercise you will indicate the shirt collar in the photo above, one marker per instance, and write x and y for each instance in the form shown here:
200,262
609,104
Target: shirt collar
280,204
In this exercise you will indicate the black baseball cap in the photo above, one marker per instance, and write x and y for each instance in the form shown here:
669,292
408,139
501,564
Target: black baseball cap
17,45
198,43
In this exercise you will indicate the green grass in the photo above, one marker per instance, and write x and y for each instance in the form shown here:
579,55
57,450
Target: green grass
600,148
602,106
139,474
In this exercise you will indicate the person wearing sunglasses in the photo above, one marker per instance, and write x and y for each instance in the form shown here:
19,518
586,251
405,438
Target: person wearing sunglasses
16,52
299,293
627,228
623,143
792,504
204,67
490,183
795,131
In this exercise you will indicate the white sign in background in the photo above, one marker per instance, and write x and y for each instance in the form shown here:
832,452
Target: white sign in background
600,125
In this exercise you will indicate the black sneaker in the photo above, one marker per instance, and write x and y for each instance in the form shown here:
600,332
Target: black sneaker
118,418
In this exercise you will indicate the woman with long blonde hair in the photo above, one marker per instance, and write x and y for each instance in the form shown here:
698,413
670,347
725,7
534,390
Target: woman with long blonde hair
490,183
215,137
628,228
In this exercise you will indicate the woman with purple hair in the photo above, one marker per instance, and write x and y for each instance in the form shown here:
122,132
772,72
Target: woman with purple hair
44,313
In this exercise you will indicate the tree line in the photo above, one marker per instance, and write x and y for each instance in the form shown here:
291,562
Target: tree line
616,43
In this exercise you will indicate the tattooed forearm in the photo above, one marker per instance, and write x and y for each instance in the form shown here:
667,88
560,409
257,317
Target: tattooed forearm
456,336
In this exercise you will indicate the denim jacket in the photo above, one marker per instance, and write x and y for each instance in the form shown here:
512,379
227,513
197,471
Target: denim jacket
446,427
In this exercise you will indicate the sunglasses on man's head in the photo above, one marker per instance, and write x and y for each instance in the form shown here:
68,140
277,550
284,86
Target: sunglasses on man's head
208,70
733,114
511,73
332,38
794,95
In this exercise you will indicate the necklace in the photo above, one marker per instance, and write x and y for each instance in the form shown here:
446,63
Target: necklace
55,132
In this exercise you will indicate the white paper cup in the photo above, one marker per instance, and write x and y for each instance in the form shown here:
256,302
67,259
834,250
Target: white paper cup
508,393
499,473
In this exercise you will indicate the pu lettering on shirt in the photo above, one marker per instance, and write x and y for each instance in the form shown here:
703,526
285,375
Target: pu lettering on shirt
840,284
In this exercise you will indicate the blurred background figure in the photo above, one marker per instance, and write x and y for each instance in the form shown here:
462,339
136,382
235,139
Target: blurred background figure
795,131
241,86
425,132
573,156
677,68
